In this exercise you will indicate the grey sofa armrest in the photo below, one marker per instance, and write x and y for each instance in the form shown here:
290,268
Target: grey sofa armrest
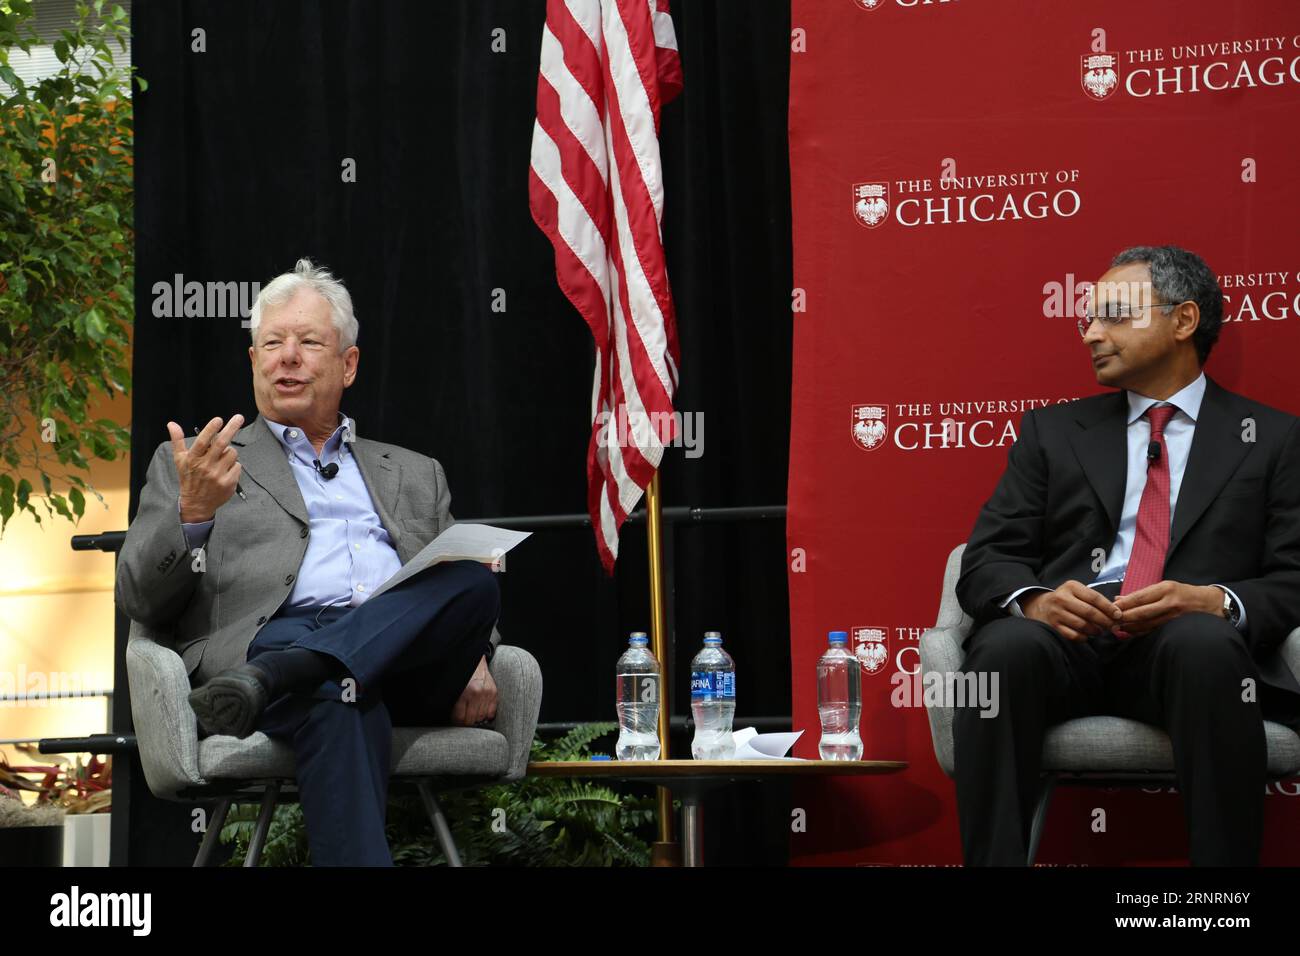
950,612
1290,651
941,653
166,729
519,700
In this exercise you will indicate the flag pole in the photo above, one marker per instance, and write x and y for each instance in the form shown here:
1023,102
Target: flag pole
665,851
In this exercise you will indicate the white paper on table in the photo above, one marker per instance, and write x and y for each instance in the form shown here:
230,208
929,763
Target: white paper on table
751,745
472,542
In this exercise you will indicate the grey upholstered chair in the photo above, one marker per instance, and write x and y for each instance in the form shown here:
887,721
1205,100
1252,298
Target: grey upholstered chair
179,766
1097,751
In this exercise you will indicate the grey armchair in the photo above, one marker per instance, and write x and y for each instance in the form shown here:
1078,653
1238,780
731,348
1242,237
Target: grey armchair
1096,751
179,766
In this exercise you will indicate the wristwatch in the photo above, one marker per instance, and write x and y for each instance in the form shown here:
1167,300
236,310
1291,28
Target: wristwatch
1230,609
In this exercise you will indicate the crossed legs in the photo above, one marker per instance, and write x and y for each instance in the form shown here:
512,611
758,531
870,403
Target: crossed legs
410,651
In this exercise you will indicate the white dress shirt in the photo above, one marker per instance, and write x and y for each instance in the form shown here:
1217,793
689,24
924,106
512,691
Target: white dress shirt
349,551
1177,446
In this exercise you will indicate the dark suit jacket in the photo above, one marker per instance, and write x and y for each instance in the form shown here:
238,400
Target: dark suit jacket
1236,521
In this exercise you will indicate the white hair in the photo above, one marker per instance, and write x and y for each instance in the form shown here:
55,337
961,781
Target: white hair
307,275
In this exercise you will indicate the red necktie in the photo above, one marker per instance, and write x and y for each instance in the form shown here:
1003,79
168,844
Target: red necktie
1146,564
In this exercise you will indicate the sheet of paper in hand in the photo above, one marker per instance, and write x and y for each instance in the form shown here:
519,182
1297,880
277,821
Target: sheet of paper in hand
460,542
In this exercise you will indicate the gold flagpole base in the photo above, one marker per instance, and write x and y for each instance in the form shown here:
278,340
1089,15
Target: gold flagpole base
665,854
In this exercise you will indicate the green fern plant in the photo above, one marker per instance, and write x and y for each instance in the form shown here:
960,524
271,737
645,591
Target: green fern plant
537,821
575,745
286,838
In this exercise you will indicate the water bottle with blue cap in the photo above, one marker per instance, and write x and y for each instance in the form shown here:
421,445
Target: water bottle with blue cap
637,695
713,700
839,700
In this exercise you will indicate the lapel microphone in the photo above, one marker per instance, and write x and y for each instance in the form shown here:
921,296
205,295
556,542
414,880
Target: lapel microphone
328,471
1153,451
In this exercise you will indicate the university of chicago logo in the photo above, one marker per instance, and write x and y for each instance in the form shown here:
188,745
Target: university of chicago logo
871,203
870,425
871,648
1100,74
870,4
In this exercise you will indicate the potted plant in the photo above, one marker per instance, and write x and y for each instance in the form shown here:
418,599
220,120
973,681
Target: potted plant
30,834
549,821
81,791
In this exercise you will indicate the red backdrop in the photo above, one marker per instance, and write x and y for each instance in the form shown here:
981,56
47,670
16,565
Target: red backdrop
957,167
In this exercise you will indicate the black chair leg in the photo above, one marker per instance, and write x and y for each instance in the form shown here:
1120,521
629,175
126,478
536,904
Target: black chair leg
255,845
1040,815
440,826
213,833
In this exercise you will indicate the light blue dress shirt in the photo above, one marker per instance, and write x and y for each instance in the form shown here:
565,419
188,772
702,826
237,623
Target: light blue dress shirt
1177,446
349,552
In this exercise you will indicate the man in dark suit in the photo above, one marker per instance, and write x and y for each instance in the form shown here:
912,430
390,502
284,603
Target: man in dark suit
1139,557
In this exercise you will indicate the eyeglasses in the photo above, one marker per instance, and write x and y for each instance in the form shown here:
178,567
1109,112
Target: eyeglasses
1115,313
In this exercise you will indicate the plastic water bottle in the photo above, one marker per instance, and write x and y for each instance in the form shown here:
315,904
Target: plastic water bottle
637,692
839,700
713,700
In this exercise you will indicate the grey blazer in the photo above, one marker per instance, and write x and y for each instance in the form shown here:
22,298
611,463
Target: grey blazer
214,607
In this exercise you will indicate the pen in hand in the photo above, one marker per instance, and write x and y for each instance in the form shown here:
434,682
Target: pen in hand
238,488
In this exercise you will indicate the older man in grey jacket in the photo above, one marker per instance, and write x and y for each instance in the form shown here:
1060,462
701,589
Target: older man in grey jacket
279,556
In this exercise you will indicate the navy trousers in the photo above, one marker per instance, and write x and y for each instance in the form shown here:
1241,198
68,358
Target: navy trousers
409,654
1184,677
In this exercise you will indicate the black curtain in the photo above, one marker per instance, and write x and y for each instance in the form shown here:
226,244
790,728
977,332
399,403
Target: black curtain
240,156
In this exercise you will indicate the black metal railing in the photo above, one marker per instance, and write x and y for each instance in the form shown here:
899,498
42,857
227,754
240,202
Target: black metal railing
121,741
111,541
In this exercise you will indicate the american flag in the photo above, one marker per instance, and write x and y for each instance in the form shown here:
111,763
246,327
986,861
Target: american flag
595,187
